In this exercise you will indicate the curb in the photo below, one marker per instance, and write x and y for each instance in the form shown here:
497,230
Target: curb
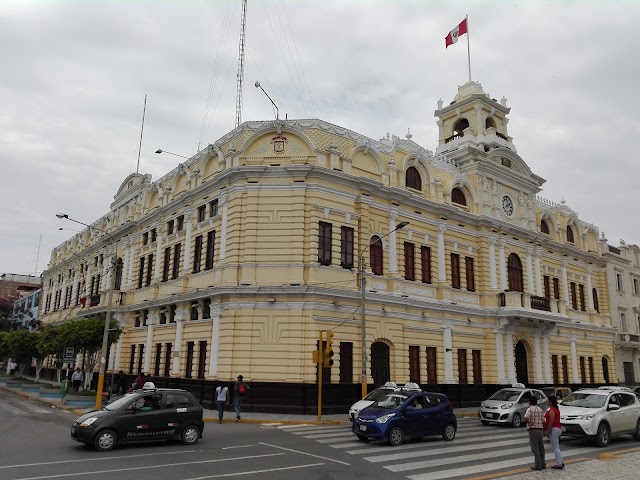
275,422
41,400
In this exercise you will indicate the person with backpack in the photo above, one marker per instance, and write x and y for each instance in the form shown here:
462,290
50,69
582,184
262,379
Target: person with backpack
239,390
222,399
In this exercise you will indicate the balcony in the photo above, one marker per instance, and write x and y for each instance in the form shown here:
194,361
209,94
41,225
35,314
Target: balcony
94,300
533,302
540,303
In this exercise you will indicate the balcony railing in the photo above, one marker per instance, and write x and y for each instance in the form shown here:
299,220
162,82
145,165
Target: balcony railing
540,303
94,300
453,137
502,136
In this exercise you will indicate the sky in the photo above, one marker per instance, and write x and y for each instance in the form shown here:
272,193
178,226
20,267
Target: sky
74,76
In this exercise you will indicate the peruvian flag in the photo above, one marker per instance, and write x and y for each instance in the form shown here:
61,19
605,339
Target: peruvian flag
83,291
455,33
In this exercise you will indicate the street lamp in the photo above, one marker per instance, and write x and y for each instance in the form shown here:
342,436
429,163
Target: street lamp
107,320
363,322
164,151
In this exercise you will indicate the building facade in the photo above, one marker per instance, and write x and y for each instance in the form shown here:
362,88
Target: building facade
623,273
26,310
232,262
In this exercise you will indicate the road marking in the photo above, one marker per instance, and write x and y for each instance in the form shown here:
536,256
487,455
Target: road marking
332,438
94,459
305,453
11,409
251,472
310,431
94,472
237,446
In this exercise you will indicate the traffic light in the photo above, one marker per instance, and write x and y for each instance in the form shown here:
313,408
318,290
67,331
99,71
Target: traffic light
317,356
328,350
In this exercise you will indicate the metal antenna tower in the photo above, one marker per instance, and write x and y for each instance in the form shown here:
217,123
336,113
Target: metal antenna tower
240,78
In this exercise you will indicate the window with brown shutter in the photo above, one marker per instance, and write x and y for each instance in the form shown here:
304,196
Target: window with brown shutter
177,248
556,288
425,257
346,362
167,359
140,273
592,378
547,289
156,370
565,369
376,256
455,270
149,269
202,212
570,234
324,243
574,296
462,366
432,365
189,364
477,366
202,358
514,273
554,369
409,261
470,274
582,304
346,247
211,242
132,358
583,371
596,306
140,357
197,254
414,364
165,264
413,179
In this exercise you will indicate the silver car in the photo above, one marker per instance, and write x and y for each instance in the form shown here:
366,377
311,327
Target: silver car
509,405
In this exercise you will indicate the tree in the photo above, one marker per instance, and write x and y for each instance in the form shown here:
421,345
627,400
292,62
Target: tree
86,336
21,347
49,343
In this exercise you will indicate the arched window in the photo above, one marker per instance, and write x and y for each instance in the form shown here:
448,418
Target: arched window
489,123
118,280
376,255
413,179
544,228
457,196
596,306
460,126
514,268
570,234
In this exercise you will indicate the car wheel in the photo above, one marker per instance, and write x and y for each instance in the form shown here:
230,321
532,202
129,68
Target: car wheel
190,435
362,438
603,435
636,434
449,432
105,440
484,422
516,421
395,436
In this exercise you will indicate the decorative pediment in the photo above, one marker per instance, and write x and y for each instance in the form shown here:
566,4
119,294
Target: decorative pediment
132,185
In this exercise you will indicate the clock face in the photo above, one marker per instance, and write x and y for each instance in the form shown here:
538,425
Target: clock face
507,205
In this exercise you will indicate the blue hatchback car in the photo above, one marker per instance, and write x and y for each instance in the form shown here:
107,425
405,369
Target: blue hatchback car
406,414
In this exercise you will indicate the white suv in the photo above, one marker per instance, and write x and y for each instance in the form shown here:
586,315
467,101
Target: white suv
600,414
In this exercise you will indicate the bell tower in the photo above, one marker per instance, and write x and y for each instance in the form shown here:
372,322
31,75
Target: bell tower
473,119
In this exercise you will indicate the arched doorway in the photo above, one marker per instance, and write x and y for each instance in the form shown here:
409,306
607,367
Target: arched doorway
380,370
522,370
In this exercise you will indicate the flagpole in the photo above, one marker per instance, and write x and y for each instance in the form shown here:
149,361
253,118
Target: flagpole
466,17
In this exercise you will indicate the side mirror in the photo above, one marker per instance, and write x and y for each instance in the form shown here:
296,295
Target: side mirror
613,406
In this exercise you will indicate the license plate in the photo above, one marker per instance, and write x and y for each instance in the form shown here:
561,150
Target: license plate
491,415
564,429
363,428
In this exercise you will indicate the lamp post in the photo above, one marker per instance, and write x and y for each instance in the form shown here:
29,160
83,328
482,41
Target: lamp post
170,153
363,308
107,320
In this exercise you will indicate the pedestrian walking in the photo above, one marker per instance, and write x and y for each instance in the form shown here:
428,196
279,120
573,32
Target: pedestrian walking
222,399
76,379
124,383
239,390
139,381
553,429
534,416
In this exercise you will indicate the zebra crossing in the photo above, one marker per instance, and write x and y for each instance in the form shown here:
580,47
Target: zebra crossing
23,408
477,450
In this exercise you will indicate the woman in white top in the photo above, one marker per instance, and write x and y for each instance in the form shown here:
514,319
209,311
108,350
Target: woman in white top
222,399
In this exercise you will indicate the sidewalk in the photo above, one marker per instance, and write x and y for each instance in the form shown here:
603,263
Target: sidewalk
229,415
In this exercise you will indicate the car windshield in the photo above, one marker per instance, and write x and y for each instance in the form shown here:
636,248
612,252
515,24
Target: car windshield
548,391
119,403
391,401
506,395
585,400
377,394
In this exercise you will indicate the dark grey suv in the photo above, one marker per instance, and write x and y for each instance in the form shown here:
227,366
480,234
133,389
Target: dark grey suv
149,414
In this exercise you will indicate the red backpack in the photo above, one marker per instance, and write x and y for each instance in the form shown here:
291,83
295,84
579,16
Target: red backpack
241,389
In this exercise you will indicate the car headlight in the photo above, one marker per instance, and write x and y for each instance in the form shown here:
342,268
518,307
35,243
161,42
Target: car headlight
385,418
88,421
586,417
506,405
482,405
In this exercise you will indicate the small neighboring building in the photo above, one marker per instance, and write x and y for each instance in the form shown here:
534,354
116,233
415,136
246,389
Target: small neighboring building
25,310
14,286
623,272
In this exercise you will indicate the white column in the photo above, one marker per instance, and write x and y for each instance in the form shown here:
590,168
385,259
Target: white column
442,270
510,360
539,288
574,361
186,267
132,253
565,285
441,129
493,279
393,251
156,271
223,228
152,320
536,346
530,272
215,340
589,289
181,315
500,356
503,266
448,355
63,291
105,271
547,359
479,123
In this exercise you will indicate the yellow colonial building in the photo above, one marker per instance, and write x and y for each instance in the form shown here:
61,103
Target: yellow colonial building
231,264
